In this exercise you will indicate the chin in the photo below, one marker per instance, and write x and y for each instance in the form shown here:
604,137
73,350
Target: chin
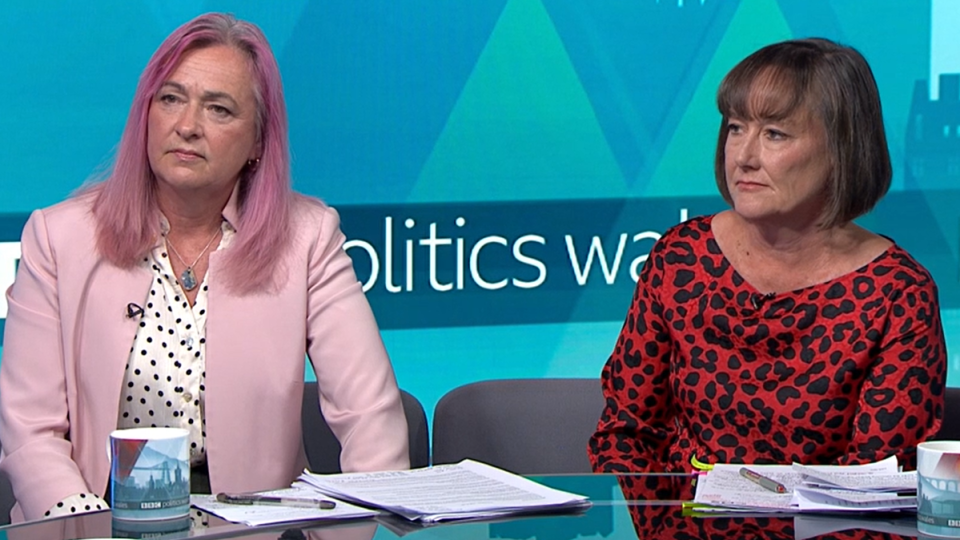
175,179
751,211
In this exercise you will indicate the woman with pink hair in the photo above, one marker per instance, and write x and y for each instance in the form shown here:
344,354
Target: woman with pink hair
186,290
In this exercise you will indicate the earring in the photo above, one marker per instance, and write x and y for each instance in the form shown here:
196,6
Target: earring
252,163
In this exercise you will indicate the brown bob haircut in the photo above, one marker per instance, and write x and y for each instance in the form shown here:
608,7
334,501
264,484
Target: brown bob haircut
834,84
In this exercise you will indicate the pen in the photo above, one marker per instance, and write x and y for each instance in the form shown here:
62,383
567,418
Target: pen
253,498
762,481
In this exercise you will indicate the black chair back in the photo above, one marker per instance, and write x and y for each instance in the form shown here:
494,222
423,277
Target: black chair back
526,426
950,428
7,499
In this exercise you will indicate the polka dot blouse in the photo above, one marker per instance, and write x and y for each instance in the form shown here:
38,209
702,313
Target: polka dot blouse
164,377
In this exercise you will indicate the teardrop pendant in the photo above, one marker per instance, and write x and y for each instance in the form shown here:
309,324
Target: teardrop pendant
188,279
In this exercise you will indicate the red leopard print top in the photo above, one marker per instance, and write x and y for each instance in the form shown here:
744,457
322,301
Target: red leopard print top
848,371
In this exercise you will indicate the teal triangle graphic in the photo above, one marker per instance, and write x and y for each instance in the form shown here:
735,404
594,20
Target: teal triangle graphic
523,127
686,168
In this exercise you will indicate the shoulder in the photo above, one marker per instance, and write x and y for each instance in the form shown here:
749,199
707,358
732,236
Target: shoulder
692,236
695,229
896,265
307,211
314,222
77,208
60,236
67,221
680,250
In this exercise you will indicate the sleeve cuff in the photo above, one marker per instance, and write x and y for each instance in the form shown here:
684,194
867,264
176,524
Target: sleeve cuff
80,503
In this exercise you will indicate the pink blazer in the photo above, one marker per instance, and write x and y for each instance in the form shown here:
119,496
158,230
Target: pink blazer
68,337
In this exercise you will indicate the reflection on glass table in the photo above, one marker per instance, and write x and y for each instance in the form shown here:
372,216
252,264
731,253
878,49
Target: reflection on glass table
624,507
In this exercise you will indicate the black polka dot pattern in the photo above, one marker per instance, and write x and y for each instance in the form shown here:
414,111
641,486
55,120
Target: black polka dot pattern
79,503
164,378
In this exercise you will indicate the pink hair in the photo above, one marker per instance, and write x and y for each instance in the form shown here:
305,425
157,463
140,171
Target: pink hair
126,211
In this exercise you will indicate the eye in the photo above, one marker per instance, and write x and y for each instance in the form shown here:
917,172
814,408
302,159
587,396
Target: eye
168,99
734,127
219,110
776,134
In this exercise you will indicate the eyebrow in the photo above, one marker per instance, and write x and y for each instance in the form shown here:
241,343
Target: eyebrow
207,96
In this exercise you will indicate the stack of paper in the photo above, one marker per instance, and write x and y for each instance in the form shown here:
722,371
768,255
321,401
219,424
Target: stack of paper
820,526
846,488
466,490
871,487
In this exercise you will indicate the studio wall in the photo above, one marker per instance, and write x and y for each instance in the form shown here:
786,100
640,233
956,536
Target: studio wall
501,167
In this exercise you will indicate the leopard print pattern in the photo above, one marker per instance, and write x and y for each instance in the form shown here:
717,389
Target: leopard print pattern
848,371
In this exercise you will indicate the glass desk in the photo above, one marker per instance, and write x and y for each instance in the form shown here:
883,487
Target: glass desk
653,511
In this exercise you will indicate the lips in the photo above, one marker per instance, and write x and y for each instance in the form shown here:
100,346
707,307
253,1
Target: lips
747,184
185,153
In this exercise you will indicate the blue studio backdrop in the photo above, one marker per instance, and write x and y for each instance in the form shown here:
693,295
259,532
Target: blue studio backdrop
502,167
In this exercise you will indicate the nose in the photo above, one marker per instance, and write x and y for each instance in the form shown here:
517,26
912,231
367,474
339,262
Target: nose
746,150
189,125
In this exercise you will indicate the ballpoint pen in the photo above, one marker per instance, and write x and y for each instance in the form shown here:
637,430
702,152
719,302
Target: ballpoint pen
254,498
762,481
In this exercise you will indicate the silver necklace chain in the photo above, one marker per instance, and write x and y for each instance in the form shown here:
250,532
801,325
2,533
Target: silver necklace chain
188,278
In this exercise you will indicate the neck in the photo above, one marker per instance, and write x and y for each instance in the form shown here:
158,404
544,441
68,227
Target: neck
192,215
789,242
775,259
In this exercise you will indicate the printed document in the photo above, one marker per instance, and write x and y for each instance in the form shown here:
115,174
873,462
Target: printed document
858,478
875,486
465,490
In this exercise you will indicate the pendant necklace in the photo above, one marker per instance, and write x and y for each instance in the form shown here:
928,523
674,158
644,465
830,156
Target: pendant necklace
188,279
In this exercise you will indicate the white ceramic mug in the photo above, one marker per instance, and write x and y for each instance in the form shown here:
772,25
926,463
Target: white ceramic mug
149,473
938,489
